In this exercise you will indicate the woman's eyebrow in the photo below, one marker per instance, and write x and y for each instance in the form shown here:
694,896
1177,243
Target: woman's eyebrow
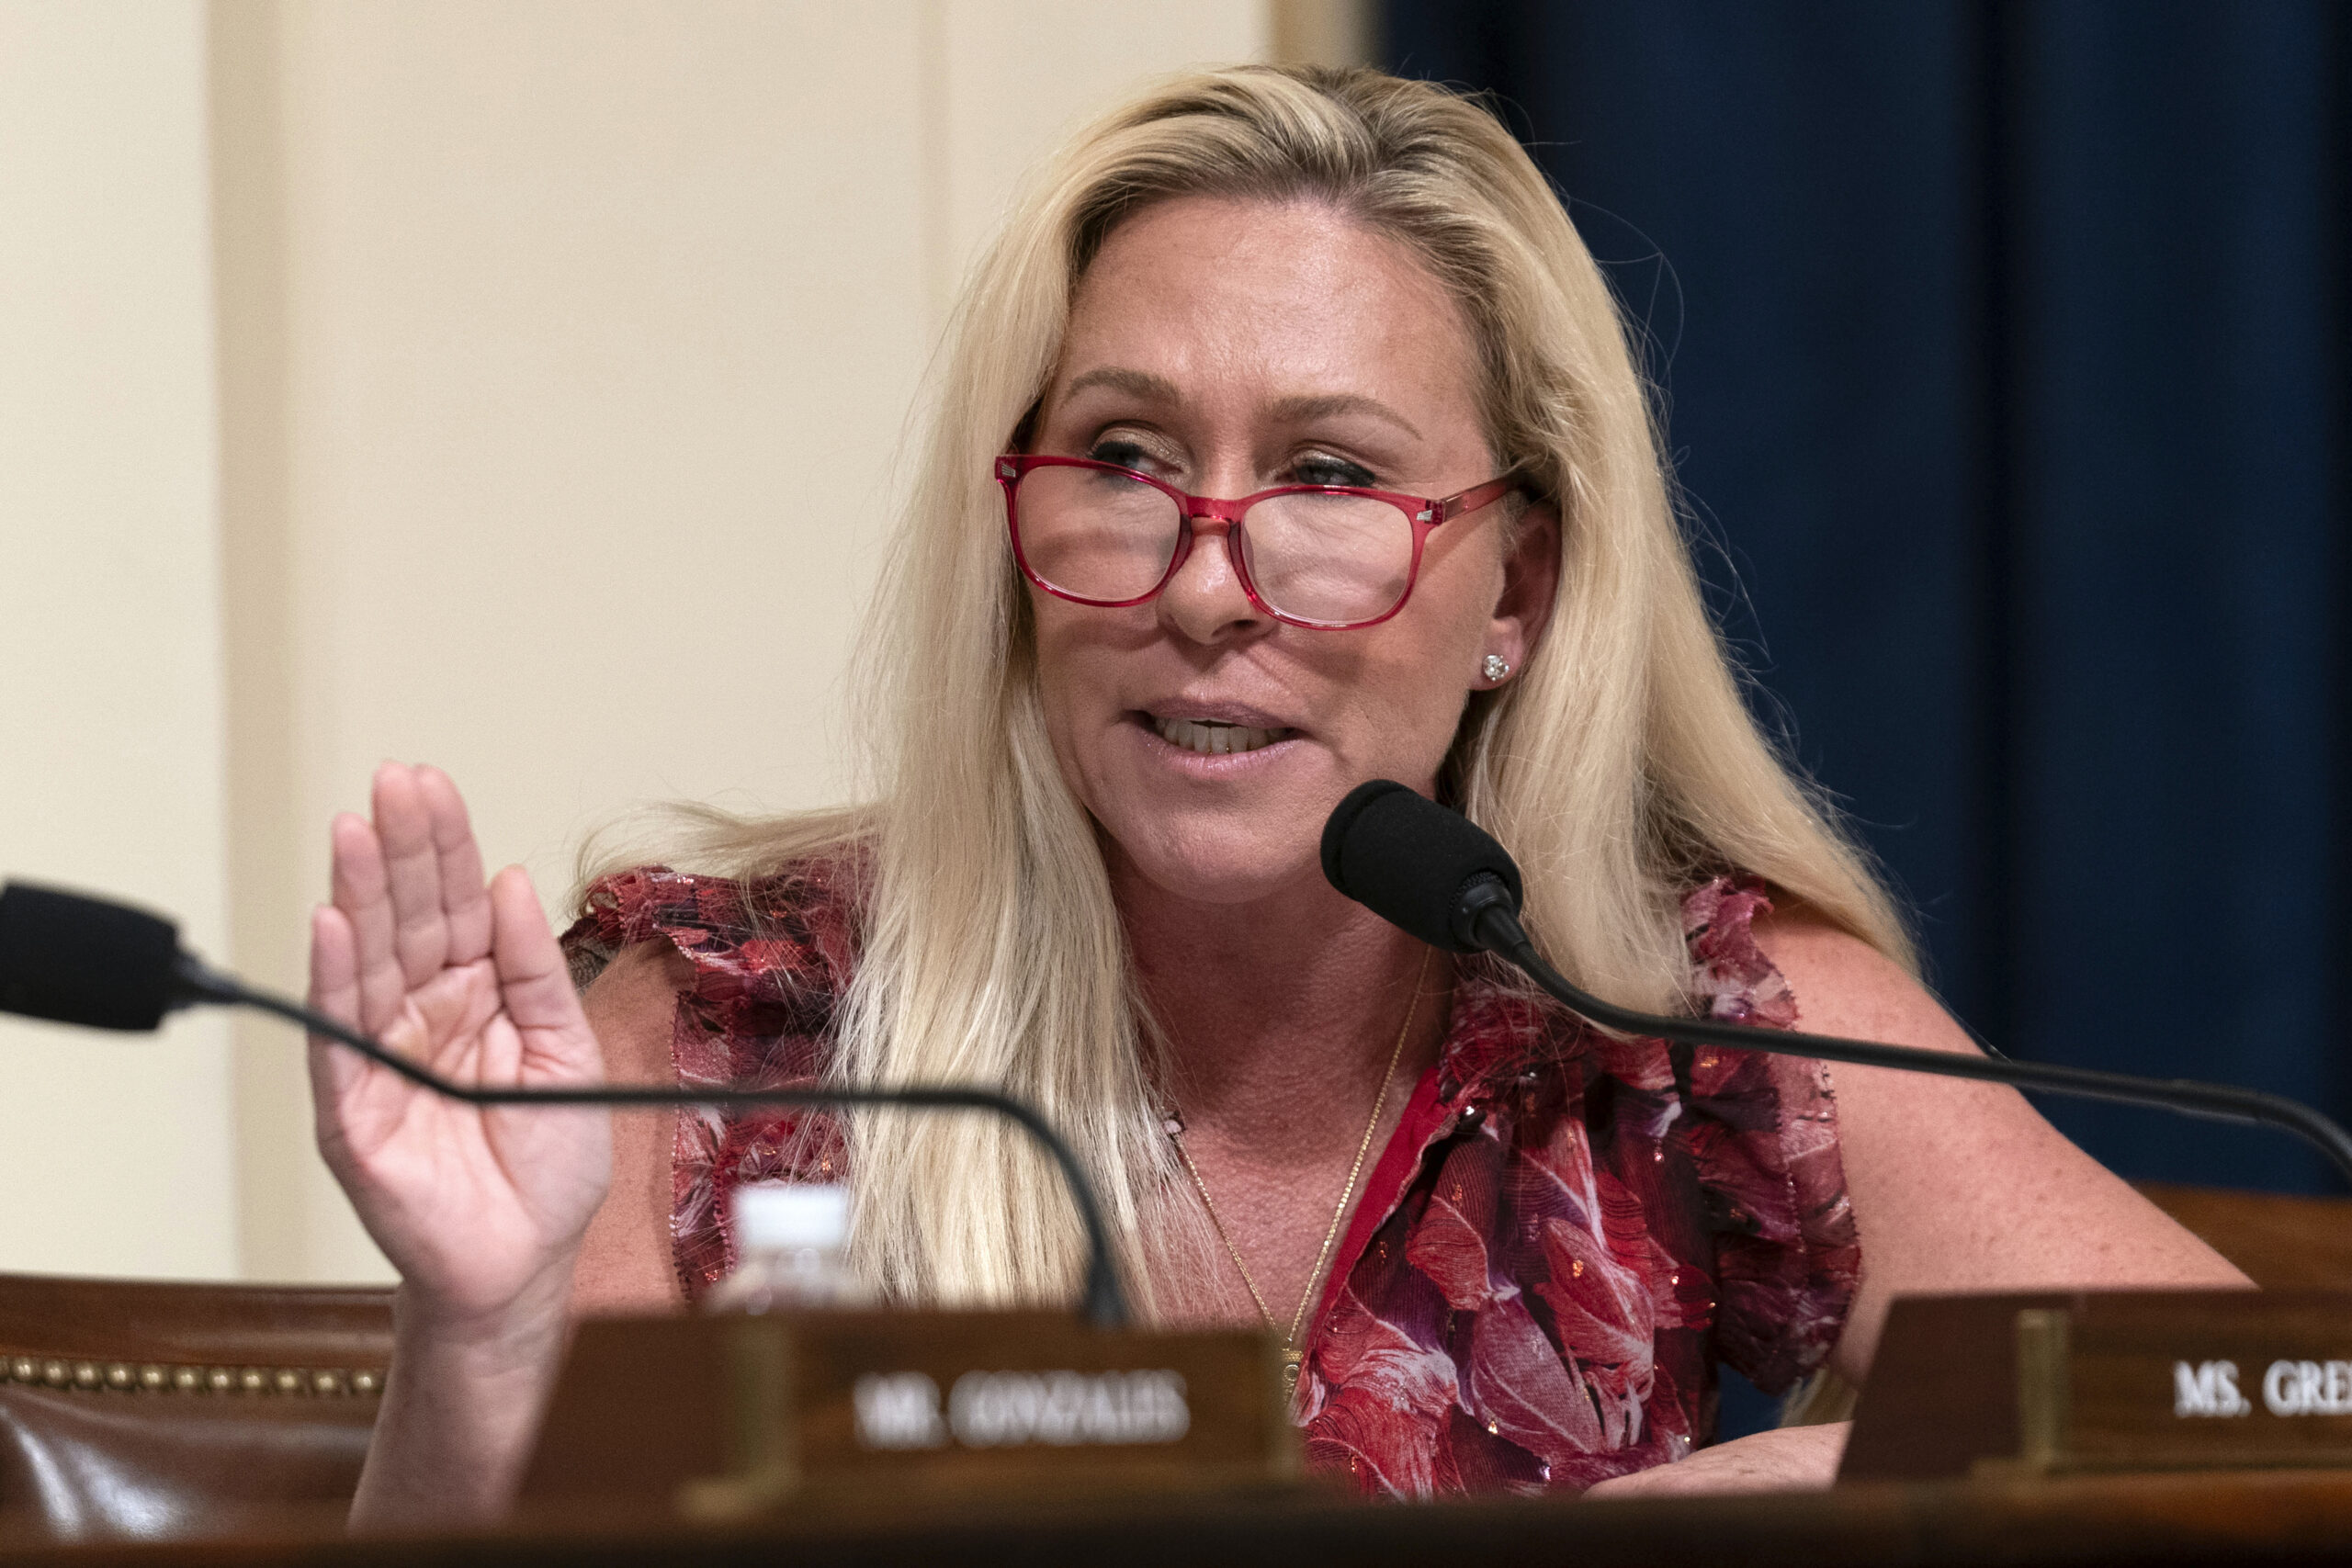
1326,405
1294,410
1135,383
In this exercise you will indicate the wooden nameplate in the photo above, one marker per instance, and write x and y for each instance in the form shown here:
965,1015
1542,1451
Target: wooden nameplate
2107,1382
723,1417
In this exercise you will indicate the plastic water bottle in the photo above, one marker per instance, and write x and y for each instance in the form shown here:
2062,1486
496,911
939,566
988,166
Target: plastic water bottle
791,1246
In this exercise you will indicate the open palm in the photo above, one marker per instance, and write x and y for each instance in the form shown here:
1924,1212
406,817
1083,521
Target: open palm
481,1208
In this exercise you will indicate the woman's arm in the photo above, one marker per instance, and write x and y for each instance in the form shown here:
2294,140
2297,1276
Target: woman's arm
1956,1186
482,1210
462,1408
1961,1186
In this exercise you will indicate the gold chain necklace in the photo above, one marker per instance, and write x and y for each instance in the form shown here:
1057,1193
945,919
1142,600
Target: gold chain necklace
1293,1354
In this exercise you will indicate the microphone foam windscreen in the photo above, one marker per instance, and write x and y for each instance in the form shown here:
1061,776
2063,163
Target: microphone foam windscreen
80,960
1407,858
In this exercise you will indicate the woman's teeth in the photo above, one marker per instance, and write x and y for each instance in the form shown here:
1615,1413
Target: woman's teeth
1212,738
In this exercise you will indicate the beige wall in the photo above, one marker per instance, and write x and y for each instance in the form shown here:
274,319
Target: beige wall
513,384
116,1155
597,323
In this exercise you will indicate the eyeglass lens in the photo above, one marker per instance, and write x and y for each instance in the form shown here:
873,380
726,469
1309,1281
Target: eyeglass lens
1101,536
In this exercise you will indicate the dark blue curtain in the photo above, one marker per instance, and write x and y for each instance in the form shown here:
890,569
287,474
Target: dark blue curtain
2008,352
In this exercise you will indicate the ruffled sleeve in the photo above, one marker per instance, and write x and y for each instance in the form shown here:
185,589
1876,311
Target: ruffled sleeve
771,961
1764,1137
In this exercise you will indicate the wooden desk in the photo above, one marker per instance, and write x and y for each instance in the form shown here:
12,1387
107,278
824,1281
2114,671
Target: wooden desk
2259,1519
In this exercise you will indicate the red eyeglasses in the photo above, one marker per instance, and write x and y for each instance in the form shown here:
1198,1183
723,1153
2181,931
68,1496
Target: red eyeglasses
1333,558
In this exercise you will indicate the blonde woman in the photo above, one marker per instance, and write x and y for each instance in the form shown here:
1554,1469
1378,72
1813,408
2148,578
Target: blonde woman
1289,438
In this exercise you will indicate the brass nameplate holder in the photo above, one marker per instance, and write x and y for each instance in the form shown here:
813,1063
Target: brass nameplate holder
2185,1381
724,1417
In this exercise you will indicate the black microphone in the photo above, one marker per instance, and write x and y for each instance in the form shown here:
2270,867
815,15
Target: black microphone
70,958
1441,877
74,960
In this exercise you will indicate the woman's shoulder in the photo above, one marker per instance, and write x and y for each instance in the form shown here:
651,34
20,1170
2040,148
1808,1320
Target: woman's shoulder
1756,951
783,937
1848,988
707,981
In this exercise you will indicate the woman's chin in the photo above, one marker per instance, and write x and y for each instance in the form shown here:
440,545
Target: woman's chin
1220,867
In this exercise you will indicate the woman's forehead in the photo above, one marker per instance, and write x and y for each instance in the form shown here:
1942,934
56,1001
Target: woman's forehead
1304,307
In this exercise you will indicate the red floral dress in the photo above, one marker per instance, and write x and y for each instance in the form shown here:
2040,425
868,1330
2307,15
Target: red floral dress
1565,1236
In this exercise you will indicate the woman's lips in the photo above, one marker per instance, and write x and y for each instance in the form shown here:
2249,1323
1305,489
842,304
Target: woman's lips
1204,737
1212,738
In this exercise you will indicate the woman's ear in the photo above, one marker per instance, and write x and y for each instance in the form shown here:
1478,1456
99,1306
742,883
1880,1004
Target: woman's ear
1531,584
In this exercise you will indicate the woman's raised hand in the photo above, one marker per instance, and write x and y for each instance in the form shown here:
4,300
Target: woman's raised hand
482,1209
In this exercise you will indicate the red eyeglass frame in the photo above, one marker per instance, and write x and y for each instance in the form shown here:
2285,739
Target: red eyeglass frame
1421,511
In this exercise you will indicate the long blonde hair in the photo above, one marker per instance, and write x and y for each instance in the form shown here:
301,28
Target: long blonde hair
1618,768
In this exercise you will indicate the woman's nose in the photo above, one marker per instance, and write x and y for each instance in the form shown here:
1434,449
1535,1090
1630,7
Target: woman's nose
1205,601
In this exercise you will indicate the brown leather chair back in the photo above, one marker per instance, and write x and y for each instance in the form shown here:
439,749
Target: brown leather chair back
134,1407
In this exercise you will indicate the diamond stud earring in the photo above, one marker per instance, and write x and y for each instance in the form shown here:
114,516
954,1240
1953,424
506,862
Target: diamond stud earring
1496,667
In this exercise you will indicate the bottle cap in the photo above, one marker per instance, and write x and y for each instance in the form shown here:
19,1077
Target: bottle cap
775,1216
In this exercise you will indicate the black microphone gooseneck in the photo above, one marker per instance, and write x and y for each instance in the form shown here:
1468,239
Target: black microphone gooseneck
74,959
1437,875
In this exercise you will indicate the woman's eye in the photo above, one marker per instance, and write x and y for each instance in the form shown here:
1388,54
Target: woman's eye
1330,471
1124,453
